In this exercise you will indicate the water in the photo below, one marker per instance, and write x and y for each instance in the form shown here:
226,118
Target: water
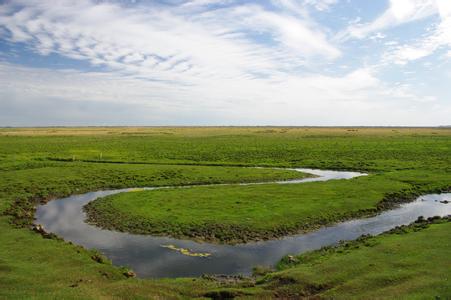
146,256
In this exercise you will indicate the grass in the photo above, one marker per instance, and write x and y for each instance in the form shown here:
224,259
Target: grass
385,149
234,214
38,182
38,164
242,213
409,262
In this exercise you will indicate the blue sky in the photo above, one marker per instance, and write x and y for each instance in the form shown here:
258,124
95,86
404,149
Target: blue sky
225,62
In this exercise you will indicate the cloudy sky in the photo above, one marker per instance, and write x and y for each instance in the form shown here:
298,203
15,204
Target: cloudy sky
225,62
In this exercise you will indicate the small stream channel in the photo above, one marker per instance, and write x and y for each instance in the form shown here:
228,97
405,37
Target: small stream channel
147,257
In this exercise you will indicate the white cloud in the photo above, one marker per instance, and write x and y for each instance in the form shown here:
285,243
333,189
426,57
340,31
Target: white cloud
201,3
444,7
358,97
164,43
244,64
321,4
437,38
300,37
299,6
397,13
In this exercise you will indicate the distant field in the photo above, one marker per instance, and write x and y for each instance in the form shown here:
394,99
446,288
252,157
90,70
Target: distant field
369,149
221,130
37,164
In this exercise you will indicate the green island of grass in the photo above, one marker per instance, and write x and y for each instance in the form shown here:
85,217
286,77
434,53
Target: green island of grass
37,165
237,213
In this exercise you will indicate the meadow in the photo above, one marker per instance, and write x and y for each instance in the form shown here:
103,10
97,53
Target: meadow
39,164
231,214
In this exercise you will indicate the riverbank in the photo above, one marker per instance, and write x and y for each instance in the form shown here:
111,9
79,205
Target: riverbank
235,214
151,256
223,213
406,262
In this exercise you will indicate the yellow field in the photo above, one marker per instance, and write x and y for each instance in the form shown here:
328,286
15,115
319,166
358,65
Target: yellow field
225,130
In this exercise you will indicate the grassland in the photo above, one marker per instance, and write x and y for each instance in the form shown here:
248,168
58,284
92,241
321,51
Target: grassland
408,262
38,164
241,213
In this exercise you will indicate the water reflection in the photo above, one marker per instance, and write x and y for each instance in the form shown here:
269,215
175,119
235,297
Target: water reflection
147,258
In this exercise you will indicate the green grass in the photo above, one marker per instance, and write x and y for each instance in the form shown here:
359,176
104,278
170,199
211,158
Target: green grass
38,164
412,262
34,267
42,180
241,213
236,213
334,148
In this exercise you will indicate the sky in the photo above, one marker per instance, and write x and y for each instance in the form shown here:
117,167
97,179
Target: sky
225,62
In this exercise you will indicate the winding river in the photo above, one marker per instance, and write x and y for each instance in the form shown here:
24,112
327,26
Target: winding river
151,256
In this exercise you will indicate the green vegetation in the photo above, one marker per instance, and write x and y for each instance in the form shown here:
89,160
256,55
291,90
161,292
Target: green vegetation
409,261
43,181
39,164
241,213
327,148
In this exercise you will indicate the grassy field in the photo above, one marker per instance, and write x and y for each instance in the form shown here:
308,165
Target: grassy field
385,149
39,164
241,213
410,262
